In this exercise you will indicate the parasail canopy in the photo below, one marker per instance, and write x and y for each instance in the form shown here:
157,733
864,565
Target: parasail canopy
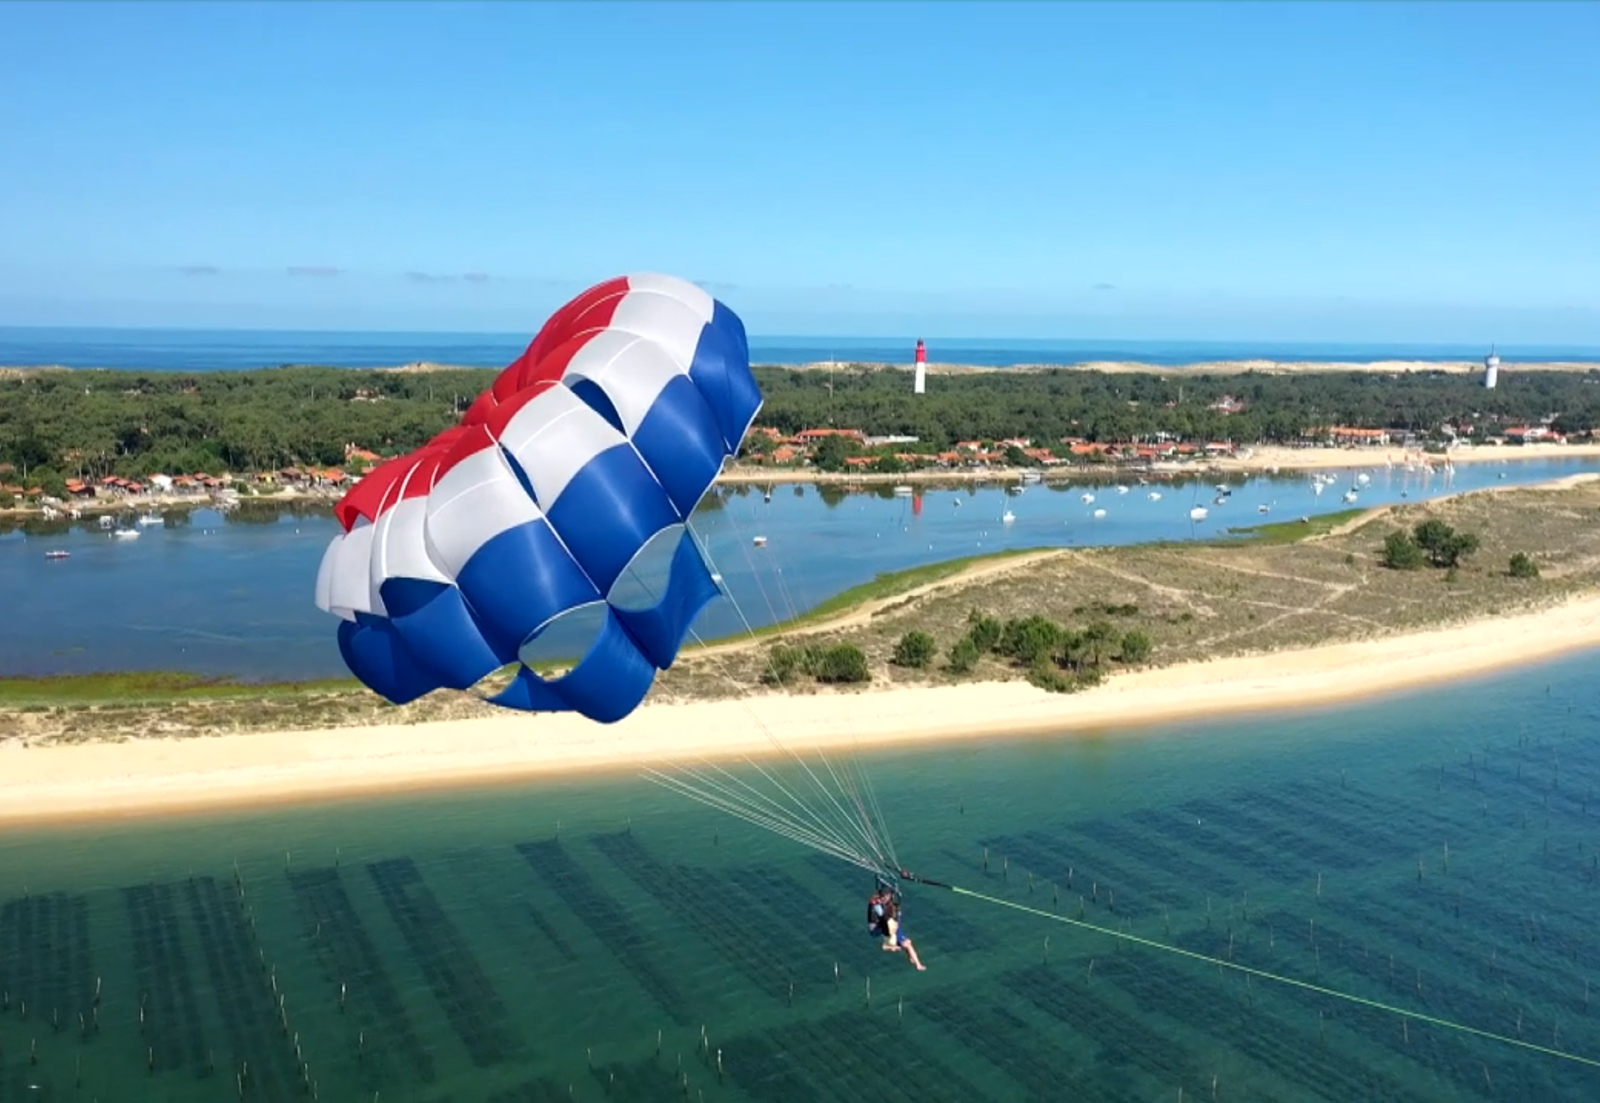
557,508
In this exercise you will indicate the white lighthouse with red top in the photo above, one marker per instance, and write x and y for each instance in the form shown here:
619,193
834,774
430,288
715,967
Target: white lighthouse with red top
920,385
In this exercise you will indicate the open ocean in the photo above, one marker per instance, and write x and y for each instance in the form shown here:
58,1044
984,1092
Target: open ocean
241,350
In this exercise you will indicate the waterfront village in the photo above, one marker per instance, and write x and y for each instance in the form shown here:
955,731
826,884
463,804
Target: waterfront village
844,452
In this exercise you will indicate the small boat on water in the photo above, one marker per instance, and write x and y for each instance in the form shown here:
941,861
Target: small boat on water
58,555
125,534
1198,513
1007,517
149,519
902,491
759,541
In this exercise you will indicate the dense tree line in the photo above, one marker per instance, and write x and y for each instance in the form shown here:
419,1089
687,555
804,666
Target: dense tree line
95,423
1048,405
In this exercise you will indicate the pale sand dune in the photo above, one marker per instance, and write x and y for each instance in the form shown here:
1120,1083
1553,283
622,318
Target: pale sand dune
83,782
1256,458
1262,457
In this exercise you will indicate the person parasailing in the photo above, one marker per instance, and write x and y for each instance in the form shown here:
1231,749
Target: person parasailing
883,920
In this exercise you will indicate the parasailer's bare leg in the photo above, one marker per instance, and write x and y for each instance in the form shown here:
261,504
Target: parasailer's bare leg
898,941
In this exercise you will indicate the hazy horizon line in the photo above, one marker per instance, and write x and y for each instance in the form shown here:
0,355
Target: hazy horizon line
812,339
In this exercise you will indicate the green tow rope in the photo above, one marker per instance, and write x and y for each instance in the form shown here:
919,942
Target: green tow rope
1264,975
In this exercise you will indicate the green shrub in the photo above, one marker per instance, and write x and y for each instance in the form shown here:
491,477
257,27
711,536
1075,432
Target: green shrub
1052,679
963,656
842,663
1445,546
1135,647
984,630
1401,553
1031,640
785,663
1523,566
915,649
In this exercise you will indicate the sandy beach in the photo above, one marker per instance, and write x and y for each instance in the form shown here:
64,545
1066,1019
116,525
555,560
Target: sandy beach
80,782
1257,459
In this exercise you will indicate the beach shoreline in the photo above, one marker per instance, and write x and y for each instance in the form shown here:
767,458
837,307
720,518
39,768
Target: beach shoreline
1260,459
1252,460
72,784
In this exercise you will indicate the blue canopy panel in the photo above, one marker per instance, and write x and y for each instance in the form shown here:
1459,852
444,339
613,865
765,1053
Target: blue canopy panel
517,582
606,684
437,626
630,646
721,370
376,655
608,510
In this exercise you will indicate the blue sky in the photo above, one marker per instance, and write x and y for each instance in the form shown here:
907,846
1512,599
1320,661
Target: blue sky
1256,171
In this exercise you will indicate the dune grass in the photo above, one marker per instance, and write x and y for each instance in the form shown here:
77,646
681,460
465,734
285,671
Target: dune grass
889,584
1291,532
145,687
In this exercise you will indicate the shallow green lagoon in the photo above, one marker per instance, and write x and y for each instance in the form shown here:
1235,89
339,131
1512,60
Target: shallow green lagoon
534,943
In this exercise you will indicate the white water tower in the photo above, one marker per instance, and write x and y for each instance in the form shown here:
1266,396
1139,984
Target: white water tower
1491,369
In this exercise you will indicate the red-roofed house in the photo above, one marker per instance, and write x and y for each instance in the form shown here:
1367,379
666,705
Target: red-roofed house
1526,434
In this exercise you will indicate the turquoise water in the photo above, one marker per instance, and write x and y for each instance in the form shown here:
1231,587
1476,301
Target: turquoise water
533,942
233,595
